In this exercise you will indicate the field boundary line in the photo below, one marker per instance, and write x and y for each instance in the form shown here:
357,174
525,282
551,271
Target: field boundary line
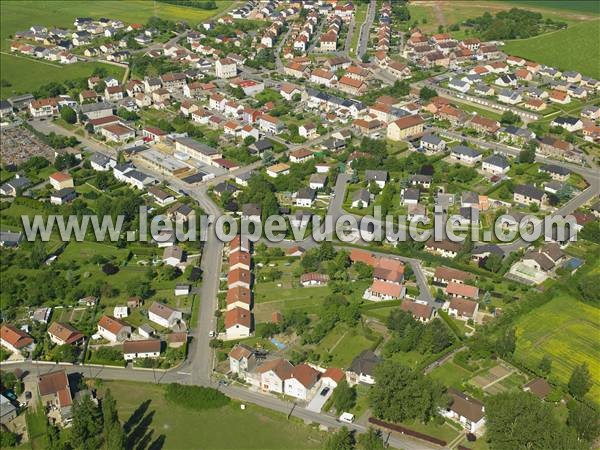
33,60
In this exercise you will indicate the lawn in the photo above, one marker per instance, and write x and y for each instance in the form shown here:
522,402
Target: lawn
565,329
226,428
26,74
568,49
344,345
451,374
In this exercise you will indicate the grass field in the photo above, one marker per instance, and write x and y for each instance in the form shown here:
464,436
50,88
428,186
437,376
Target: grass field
26,74
226,428
567,330
569,49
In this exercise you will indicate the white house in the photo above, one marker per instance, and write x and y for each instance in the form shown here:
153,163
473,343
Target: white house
469,412
147,348
301,382
164,315
113,329
495,164
238,323
242,359
273,374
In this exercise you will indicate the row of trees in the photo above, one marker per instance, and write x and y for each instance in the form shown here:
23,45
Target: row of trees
409,334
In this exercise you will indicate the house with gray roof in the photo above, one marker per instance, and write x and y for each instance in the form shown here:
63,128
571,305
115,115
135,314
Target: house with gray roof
380,177
495,164
361,198
465,154
14,186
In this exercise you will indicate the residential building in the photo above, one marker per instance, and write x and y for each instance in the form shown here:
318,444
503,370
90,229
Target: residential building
112,329
164,315
141,349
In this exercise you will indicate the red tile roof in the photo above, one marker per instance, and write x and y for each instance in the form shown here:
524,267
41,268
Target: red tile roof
15,337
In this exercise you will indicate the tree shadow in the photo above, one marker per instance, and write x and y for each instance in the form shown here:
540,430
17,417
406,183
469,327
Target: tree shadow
145,440
158,443
136,416
140,430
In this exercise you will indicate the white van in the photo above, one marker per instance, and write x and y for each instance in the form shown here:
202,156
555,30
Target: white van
347,417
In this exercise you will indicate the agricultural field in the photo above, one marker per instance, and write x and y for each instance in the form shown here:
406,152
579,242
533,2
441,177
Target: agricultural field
566,329
256,427
568,49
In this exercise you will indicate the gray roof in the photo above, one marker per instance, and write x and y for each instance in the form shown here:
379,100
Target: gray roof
306,193
376,175
318,178
91,107
9,238
530,191
552,168
411,194
64,193
251,209
497,160
464,150
469,197
431,139
197,146
100,159
365,363
19,183
361,194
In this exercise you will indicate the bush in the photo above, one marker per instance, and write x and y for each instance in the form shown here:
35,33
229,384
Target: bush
195,397
109,269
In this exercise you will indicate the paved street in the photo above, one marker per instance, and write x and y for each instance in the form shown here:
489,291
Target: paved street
365,29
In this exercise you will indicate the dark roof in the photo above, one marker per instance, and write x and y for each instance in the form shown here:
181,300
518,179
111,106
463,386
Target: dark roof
464,150
307,193
552,168
365,363
530,191
497,160
466,406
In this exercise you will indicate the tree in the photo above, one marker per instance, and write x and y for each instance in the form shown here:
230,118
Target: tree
579,383
527,155
519,419
493,263
68,114
545,365
371,440
343,397
427,94
584,420
506,343
8,439
510,118
341,440
404,394
87,425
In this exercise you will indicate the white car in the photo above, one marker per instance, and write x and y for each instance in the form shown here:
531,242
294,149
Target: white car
212,334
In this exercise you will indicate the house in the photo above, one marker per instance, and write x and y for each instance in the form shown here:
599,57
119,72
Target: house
242,359
314,279
113,93
14,339
470,413
44,107
317,181
410,196
270,124
445,248
444,275
591,112
55,394
252,212
260,146
465,154
307,130
101,162
295,251
462,290
361,198
278,169
7,410
239,297
300,156
405,127
239,277
495,164
459,85
238,323
461,308
554,147
146,348
332,377
520,136
181,212
527,194
571,124
117,132
15,186
305,197
352,86
430,143
362,369
420,311
9,239
484,125
197,150
379,177
398,70
63,196
557,173
538,387
301,381
173,256
384,290
225,68
560,97
159,196
272,375
239,259
61,180
113,329
509,97
153,134
288,91
164,315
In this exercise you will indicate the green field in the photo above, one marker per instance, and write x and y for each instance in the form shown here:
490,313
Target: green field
569,49
226,428
583,6
25,74
567,330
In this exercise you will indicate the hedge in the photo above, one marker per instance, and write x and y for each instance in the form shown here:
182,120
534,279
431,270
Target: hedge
198,398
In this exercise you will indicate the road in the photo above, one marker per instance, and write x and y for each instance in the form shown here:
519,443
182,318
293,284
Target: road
365,30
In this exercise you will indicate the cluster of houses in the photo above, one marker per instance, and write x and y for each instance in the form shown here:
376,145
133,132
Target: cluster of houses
239,320
388,276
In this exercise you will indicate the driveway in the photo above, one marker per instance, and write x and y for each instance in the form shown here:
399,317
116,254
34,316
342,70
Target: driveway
318,401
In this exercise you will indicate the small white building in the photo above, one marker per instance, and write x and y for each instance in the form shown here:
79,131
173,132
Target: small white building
148,348
164,315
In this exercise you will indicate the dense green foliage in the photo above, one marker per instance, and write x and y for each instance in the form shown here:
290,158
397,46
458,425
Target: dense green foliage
513,24
409,334
195,397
